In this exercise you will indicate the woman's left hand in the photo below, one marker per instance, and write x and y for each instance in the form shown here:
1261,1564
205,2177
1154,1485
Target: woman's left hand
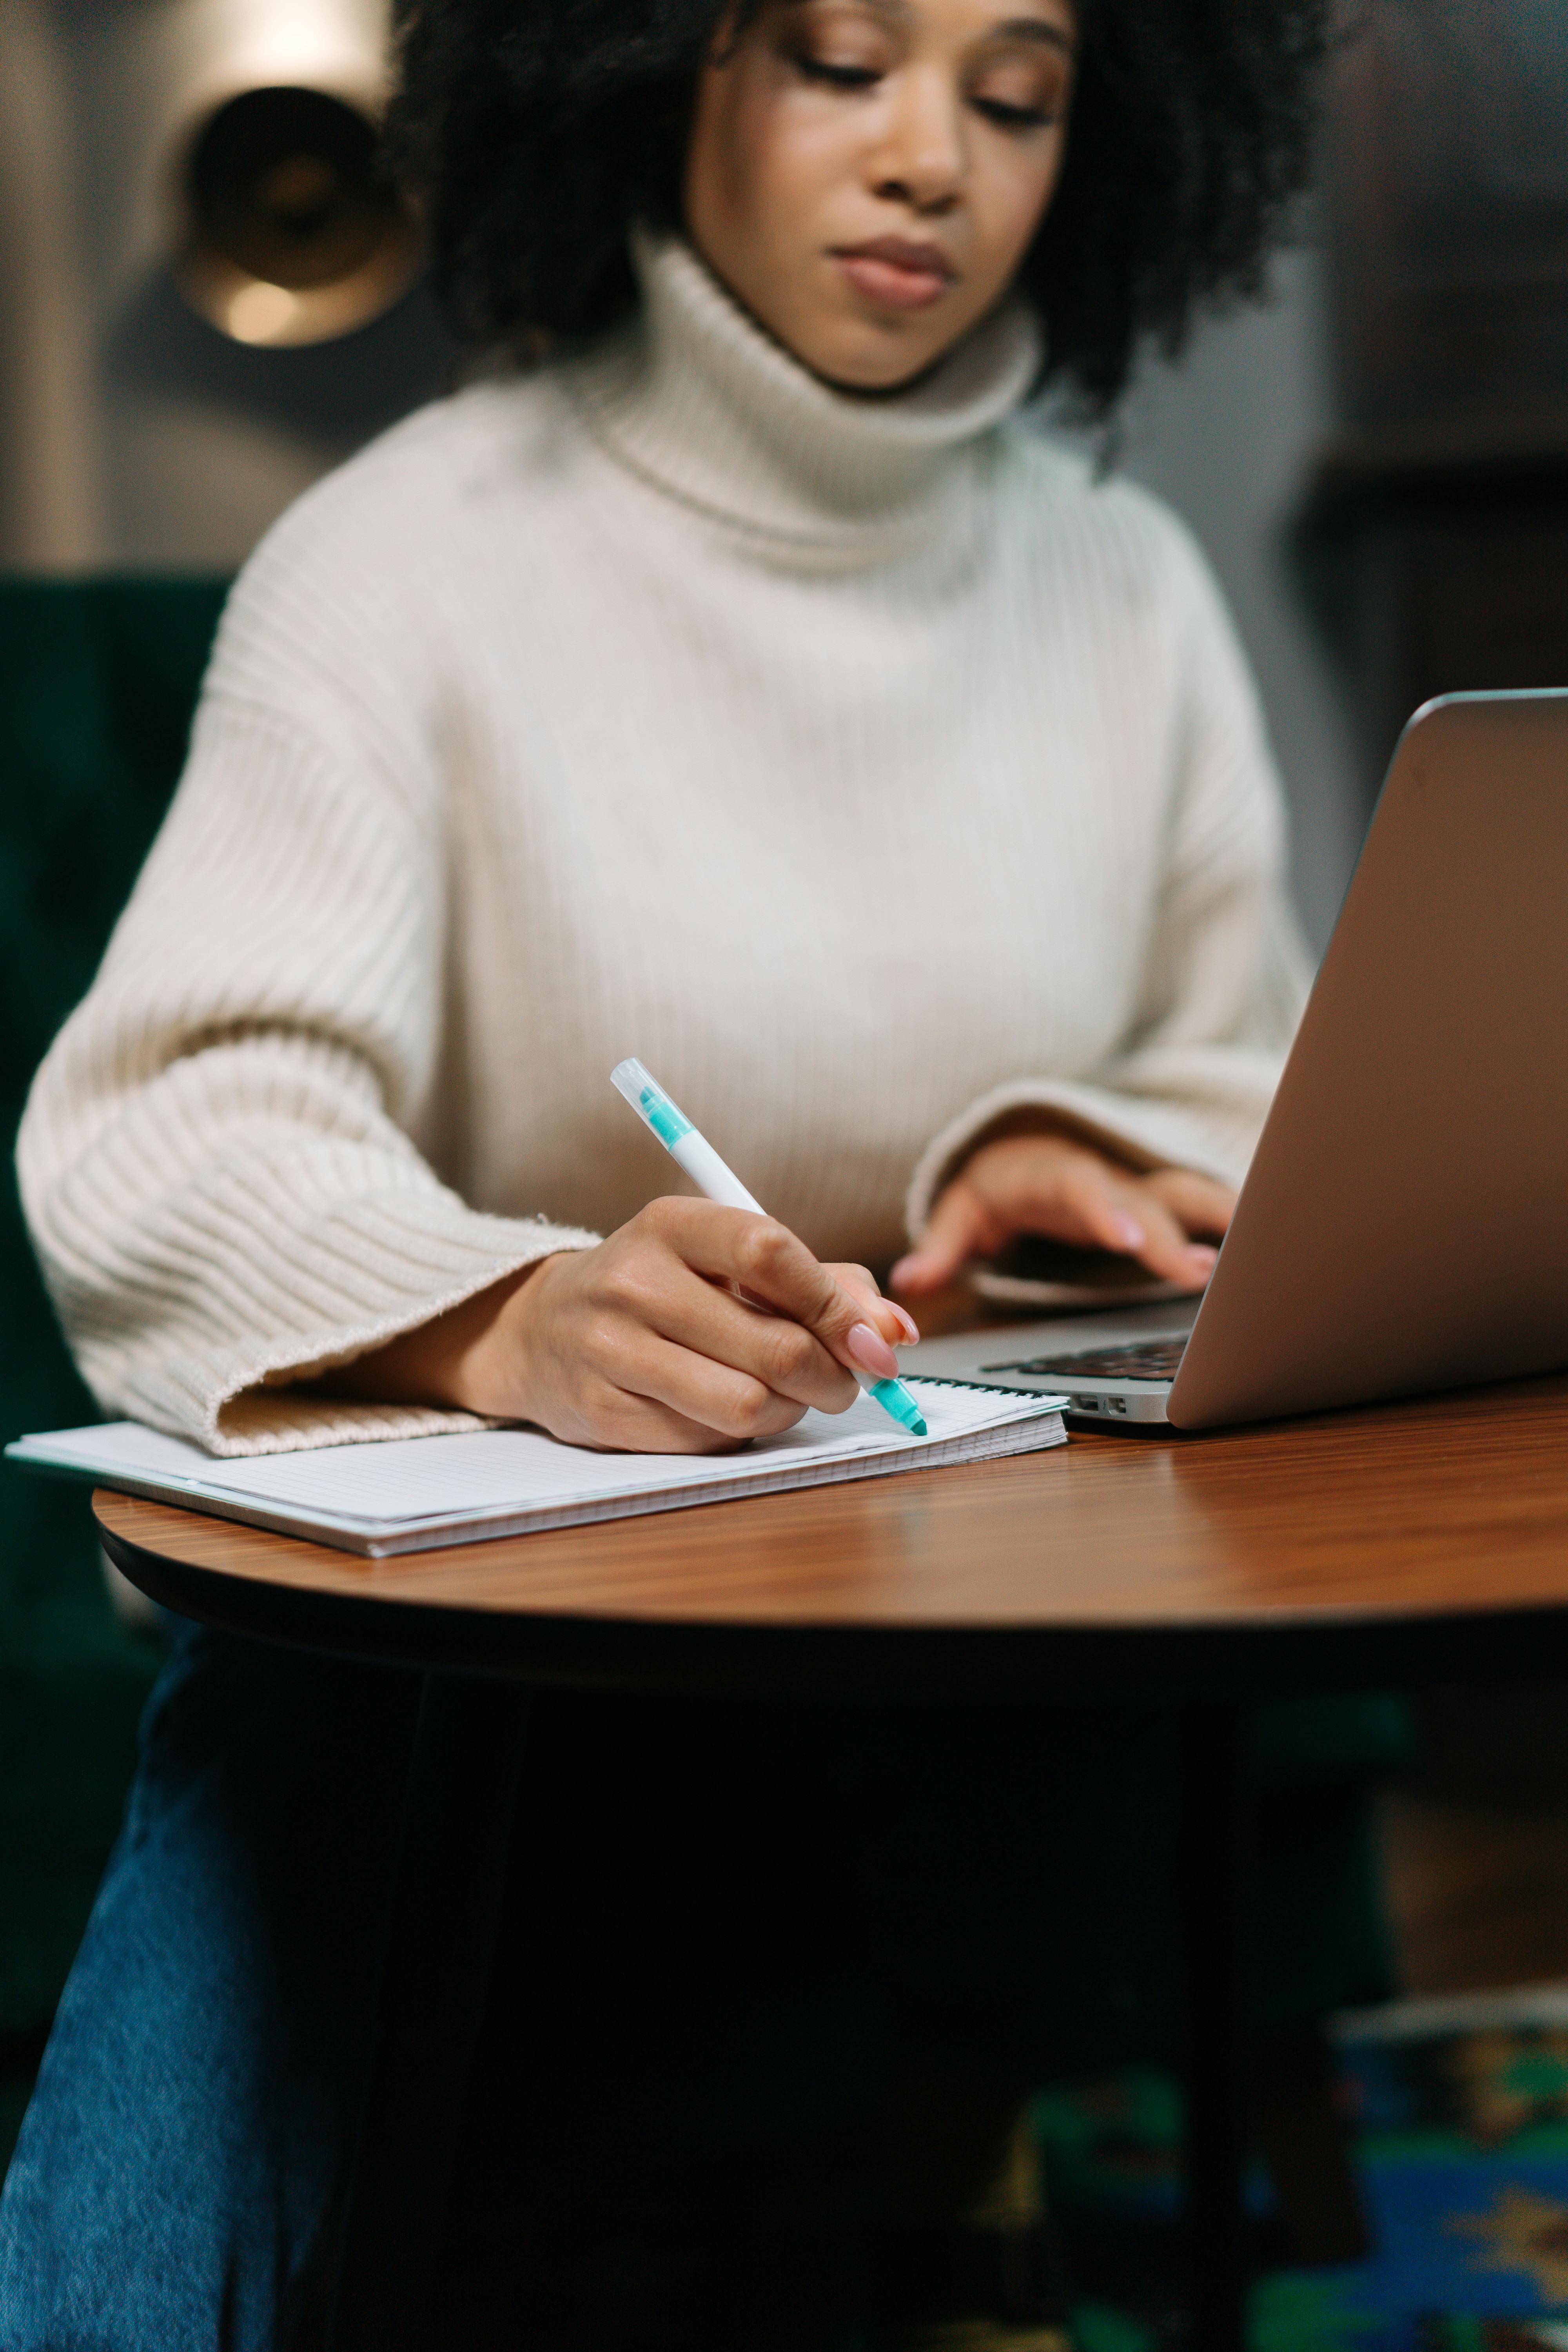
1048,1184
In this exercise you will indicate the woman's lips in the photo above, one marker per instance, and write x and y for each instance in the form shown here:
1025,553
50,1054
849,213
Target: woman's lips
895,274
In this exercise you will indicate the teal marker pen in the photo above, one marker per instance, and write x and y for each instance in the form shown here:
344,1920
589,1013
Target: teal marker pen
717,1183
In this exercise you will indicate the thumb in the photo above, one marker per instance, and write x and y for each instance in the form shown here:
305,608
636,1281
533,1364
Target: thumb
958,1224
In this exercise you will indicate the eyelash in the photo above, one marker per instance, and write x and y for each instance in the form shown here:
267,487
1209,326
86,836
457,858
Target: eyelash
1014,118
859,77
838,76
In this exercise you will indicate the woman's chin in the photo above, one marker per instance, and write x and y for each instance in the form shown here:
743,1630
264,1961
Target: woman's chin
846,343
871,365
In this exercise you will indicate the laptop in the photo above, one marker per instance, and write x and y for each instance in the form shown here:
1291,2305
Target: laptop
1404,1224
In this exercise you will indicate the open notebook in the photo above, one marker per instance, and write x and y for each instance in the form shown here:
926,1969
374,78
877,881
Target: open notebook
412,1494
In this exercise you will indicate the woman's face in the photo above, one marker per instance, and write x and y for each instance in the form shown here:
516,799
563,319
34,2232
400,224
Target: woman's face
867,174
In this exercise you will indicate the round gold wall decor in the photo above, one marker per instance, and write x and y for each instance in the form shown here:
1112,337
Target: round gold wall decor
295,230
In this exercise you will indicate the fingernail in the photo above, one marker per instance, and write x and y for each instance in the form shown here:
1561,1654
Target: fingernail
872,1353
905,1267
1200,1254
1129,1232
907,1324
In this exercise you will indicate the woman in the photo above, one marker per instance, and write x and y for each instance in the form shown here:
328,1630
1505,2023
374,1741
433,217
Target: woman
739,685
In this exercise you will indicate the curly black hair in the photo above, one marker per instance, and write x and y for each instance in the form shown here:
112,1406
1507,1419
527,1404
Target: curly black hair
536,131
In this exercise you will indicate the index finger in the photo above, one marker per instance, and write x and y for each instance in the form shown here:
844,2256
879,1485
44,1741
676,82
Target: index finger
1203,1204
776,1266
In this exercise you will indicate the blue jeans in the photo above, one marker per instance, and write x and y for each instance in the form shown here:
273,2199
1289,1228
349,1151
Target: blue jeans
730,1919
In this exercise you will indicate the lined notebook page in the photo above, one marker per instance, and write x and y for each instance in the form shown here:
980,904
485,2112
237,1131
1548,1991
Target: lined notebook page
395,1495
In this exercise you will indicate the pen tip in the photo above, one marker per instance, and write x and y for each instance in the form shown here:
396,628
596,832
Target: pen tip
894,1398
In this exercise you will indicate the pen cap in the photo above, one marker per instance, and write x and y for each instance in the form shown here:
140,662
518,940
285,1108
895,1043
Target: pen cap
689,1149
650,1102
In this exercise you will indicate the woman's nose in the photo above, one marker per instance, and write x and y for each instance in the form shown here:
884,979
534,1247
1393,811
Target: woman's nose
921,157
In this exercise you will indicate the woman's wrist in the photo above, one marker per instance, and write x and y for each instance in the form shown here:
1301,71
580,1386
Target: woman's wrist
452,1360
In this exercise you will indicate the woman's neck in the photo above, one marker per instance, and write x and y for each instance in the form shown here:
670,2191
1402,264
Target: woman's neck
702,403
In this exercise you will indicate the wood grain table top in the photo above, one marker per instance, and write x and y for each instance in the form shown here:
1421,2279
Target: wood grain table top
1419,1539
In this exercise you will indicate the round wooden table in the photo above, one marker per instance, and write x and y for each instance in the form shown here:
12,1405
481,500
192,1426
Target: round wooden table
1413,1538
1413,1541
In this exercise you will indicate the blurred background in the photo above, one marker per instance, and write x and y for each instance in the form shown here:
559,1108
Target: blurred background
210,289
210,293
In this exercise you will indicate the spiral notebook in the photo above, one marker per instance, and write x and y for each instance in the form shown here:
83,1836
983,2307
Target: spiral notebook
398,1494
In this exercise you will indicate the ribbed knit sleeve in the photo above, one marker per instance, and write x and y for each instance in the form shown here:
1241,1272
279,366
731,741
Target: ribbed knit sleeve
216,1159
1226,972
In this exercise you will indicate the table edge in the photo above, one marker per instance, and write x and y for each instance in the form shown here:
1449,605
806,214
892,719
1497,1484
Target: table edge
1283,1651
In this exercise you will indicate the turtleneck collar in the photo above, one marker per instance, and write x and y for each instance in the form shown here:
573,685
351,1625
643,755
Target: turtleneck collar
697,401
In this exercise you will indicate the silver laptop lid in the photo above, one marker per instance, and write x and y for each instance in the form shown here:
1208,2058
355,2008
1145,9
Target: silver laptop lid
1404,1226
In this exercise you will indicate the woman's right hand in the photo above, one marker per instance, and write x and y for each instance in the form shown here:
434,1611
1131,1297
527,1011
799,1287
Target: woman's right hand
641,1344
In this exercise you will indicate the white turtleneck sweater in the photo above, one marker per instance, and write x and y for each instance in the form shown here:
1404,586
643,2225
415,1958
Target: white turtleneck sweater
861,764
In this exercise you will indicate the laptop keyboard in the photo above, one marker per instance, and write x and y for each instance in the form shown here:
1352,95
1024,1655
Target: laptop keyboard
1150,1360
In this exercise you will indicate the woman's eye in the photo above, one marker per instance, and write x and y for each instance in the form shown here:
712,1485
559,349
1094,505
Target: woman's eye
1013,116
836,76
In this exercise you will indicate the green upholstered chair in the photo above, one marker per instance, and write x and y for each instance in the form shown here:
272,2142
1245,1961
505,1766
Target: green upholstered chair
98,680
